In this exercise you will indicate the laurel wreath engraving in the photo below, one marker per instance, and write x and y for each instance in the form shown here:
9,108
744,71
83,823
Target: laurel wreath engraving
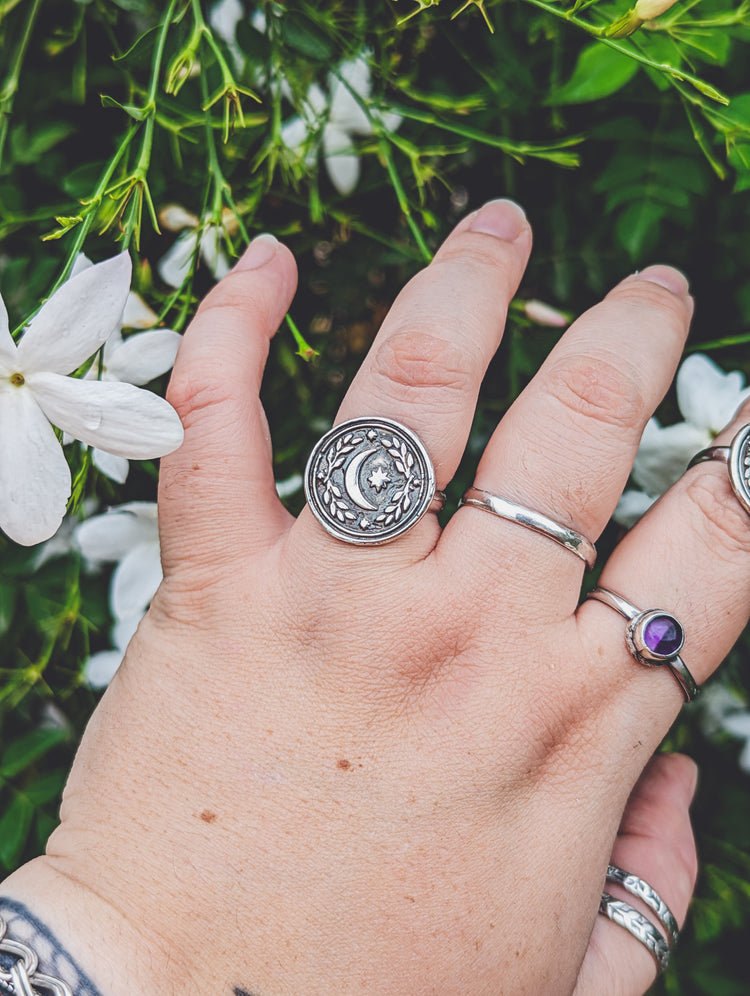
332,497
400,501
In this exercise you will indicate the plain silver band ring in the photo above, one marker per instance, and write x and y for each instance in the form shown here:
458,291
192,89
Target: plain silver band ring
438,501
638,925
647,894
737,459
513,512
675,664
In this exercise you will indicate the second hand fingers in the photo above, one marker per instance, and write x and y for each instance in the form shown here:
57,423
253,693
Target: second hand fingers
689,556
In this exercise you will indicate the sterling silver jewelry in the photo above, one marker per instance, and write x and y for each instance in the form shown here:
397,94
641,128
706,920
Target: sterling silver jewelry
638,925
653,637
23,977
647,894
369,480
737,459
569,538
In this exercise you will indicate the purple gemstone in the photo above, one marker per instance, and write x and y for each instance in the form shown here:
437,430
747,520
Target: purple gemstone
663,635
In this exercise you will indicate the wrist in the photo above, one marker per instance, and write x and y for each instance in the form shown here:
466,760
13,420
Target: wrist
78,938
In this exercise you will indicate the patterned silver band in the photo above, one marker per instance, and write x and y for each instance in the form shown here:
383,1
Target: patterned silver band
647,894
23,977
653,637
513,512
737,459
637,925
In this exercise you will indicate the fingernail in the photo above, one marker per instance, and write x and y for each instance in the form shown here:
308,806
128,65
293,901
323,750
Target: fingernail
502,218
258,253
667,277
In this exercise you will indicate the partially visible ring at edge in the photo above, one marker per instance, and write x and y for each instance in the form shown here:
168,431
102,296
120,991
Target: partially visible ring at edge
738,466
537,521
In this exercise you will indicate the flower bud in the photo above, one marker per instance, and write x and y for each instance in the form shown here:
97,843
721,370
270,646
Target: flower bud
545,314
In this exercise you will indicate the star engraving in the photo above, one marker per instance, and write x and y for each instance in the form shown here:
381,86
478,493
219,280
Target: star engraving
378,479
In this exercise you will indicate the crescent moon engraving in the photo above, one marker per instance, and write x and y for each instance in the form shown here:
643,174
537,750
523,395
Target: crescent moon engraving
351,480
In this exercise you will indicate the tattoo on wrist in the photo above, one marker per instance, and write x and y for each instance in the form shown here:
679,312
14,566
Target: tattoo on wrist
54,960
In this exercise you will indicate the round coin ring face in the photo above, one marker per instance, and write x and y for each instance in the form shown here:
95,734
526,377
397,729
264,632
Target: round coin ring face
368,480
654,637
739,467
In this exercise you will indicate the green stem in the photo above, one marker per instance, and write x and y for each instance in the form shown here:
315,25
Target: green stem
385,151
10,84
631,52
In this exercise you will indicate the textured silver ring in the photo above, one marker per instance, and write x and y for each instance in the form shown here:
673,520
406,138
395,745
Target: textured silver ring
369,480
653,637
647,894
737,459
638,925
513,512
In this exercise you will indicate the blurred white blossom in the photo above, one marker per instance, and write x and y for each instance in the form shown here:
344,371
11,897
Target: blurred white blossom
128,536
707,398
36,394
208,238
724,711
339,117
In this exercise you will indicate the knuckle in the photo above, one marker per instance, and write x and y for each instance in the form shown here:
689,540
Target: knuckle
597,390
418,362
724,521
192,395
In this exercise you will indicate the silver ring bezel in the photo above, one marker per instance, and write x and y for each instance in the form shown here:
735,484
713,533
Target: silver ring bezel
634,637
739,467
349,534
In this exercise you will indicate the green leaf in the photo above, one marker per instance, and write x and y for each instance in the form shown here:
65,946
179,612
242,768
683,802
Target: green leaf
8,594
637,228
29,148
20,754
306,38
15,824
46,787
599,72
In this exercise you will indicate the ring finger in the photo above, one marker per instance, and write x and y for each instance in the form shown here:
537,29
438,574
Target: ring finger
566,446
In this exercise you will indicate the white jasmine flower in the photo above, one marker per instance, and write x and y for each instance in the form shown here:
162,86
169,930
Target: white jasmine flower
135,360
36,393
545,314
209,239
343,118
707,398
127,535
738,725
101,667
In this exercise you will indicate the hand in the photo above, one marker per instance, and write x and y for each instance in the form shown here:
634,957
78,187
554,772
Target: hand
327,769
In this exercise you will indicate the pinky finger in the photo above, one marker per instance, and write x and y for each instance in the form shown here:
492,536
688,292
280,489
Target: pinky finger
655,842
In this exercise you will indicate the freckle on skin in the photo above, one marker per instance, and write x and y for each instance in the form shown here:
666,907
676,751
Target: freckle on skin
343,764
207,816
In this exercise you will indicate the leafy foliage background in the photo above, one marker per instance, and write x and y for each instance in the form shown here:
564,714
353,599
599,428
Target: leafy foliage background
622,151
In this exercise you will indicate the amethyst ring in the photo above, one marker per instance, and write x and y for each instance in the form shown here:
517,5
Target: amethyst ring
653,637
737,459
